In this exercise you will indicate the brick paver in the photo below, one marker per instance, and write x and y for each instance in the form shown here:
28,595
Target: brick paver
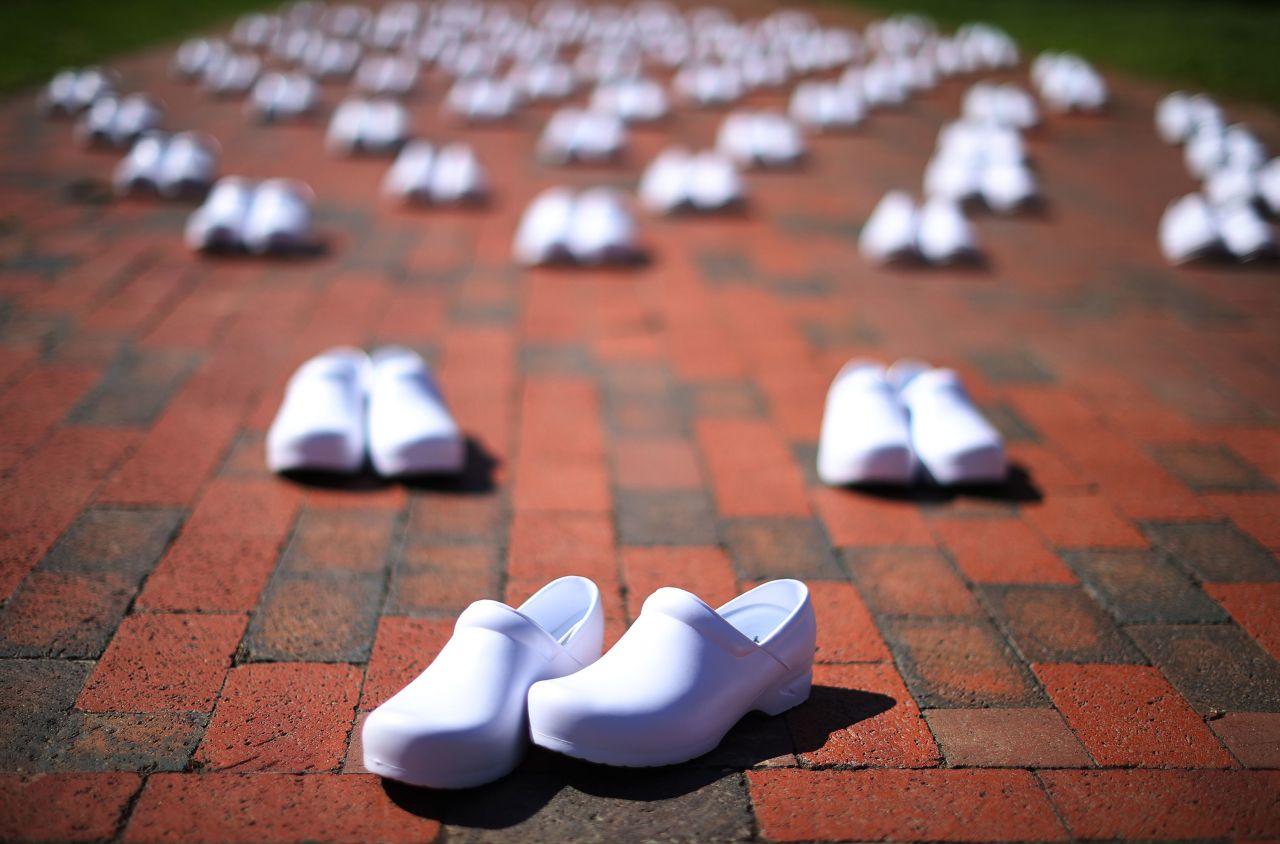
188,644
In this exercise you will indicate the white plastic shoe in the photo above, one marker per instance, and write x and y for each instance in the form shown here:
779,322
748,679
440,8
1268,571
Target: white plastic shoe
1189,229
72,91
543,234
950,438
601,230
681,677
410,430
463,721
218,224
632,100
409,177
1008,186
321,423
1269,185
714,182
458,176
944,234
1245,234
1173,117
190,165
865,435
890,231
140,170
664,185
385,128
279,218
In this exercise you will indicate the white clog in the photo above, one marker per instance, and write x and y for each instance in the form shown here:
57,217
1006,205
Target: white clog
411,431
458,176
231,74
944,235
1189,230
392,76
320,425
602,230
1269,185
590,136
632,100
865,435
139,171
282,96
542,236
72,91
409,177
890,231
218,224
681,677
714,182
279,218
827,106
189,166
463,722
664,184
1245,234
951,439
195,54
1173,117
1007,186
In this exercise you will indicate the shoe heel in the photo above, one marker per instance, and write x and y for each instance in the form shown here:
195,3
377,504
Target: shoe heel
786,693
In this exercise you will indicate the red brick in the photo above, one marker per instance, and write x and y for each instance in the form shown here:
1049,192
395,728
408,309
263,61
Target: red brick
346,540
853,518
562,484
862,715
656,464
1007,738
34,512
965,805
846,632
286,717
244,508
1252,737
37,402
456,517
1000,551
917,583
402,650
706,572
560,417
164,663
1256,606
272,809
961,662
1082,522
752,470
1130,715
64,807
443,578
210,572
1254,513
1162,805
545,546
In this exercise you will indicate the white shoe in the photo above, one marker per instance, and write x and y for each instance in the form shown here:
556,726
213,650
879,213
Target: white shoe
218,224
1231,184
951,439
321,423
954,175
458,176
944,234
632,100
1189,230
140,170
463,721
664,185
601,231
1245,234
410,430
681,677
190,165
385,128
232,73
890,231
279,218
1269,185
865,435
1173,117
1008,186
345,127
543,234
714,182
409,177
72,91
195,54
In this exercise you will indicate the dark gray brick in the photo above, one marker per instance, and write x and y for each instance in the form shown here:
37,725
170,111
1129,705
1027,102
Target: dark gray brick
1214,666
1058,624
36,697
1208,467
1216,552
136,388
779,546
153,741
106,539
1143,587
1011,366
665,517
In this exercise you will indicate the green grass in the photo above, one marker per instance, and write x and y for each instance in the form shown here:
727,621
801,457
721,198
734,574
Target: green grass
39,37
1228,47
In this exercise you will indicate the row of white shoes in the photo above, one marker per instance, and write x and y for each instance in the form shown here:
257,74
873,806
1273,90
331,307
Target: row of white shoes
344,405
591,227
670,689
936,232
269,217
425,174
678,180
177,165
890,426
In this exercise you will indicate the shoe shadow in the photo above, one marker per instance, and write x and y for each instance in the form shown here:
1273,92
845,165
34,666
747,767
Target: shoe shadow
476,477
544,775
1018,488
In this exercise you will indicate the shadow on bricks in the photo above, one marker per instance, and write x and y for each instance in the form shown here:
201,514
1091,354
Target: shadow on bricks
755,741
476,477
1018,488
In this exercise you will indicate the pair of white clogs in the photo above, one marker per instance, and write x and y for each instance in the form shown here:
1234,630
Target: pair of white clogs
170,165
760,139
709,84
668,691
273,216
937,232
282,96
636,100
330,58
593,227
444,176
827,105
981,160
678,180
387,76
882,426
195,54
482,100
118,121
1179,116
345,403
1193,227
540,81
588,136
231,74
367,126
1068,83
72,91
1003,105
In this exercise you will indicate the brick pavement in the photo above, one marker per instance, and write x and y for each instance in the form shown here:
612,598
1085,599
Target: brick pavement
187,644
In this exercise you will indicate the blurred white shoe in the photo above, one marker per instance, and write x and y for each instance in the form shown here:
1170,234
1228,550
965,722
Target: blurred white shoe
944,235
890,231
601,230
1245,234
1188,229
218,224
279,218
865,436
320,425
951,439
411,431
543,234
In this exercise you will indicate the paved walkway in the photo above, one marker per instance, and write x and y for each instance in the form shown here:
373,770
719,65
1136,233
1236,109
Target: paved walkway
1090,652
